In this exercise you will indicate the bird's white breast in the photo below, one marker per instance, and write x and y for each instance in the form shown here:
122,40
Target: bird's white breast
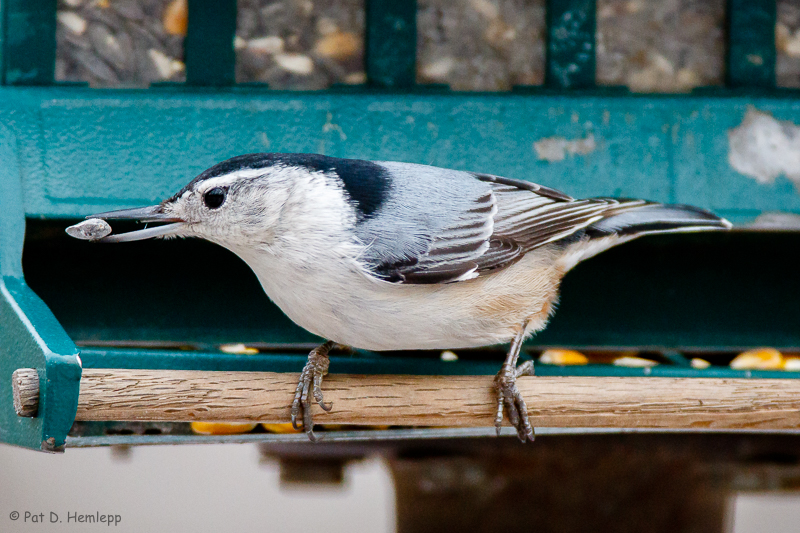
337,301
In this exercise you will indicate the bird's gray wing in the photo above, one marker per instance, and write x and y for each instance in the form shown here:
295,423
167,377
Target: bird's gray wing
466,224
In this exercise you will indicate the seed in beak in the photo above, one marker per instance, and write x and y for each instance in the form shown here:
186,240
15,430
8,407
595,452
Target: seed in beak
92,229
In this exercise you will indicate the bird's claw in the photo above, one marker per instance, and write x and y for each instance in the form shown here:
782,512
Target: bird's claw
508,396
311,382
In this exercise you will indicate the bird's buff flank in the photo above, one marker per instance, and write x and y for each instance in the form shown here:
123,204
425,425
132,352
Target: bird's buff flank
398,256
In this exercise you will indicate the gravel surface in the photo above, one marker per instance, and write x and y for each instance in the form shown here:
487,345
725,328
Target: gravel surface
480,45
300,44
647,45
120,43
472,45
660,46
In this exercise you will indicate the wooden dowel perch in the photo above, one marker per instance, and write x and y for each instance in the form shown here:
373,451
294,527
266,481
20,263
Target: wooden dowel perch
25,391
175,395
179,396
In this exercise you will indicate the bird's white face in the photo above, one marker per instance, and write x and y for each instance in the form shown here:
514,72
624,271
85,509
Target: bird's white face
241,209
282,209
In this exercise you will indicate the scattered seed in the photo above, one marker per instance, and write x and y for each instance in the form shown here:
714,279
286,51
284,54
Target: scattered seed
792,364
238,349
355,78
634,362
74,22
167,66
326,25
295,63
98,68
563,357
176,17
222,428
439,69
447,355
758,359
119,35
266,45
130,9
338,45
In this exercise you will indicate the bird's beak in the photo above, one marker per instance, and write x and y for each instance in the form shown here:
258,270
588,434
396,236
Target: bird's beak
153,213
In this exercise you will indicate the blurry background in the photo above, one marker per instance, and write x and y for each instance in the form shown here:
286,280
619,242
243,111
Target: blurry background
231,488
472,45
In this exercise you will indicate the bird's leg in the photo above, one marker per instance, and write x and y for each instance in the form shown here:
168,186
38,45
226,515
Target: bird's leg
311,384
505,383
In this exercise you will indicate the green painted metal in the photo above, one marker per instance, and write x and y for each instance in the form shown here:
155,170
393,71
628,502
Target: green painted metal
300,440
677,358
82,150
570,55
208,47
751,43
366,363
32,337
391,43
28,52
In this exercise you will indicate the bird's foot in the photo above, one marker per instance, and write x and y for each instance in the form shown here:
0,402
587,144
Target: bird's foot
508,395
311,384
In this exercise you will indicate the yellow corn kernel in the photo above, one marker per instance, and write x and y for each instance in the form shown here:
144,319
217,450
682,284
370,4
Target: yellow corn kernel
563,357
632,361
176,17
222,428
699,363
281,428
758,359
338,45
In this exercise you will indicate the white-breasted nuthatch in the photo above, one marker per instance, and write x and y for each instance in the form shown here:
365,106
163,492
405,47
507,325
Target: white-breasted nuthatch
398,256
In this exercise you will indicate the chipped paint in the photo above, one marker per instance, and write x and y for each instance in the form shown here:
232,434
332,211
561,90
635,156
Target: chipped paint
330,126
764,148
433,129
554,149
776,220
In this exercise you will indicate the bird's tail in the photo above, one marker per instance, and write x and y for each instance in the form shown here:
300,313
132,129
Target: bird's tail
629,219
638,217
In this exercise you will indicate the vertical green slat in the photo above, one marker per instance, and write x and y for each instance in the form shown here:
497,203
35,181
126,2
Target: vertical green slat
3,8
210,56
28,54
570,44
751,43
391,43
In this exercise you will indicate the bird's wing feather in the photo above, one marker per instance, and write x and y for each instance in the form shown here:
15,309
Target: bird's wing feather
502,220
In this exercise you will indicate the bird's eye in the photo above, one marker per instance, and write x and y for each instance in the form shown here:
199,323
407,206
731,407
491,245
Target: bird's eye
214,198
